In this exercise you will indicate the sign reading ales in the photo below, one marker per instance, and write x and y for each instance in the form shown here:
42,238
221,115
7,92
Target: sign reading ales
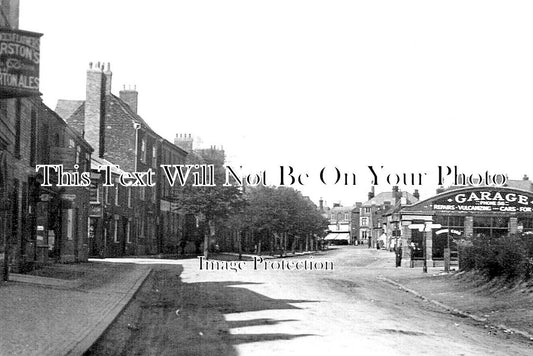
19,63
486,200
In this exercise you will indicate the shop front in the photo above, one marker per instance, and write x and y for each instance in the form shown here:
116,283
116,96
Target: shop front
432,228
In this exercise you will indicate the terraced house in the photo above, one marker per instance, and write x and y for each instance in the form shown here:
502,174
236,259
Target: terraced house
125,220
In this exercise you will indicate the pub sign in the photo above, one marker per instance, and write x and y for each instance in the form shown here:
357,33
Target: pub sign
19,63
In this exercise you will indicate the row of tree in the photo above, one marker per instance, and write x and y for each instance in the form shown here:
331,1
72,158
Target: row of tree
274,218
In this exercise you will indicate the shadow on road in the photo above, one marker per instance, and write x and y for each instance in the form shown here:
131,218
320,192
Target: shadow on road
170,317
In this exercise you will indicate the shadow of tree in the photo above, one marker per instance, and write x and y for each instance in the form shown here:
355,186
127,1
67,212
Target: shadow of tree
178,318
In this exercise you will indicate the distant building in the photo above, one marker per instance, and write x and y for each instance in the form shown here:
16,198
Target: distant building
340,227
373,227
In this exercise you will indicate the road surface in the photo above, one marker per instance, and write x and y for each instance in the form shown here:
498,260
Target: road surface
249,310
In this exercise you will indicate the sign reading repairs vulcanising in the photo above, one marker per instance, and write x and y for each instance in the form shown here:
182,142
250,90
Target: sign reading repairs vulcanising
19,63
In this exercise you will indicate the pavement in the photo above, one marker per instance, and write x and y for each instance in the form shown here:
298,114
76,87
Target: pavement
49,316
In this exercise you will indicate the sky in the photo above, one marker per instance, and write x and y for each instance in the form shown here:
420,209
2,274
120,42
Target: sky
407,85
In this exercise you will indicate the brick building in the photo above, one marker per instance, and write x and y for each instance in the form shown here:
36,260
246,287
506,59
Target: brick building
36,222
121,137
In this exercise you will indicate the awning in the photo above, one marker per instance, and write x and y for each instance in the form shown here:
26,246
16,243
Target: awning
337,236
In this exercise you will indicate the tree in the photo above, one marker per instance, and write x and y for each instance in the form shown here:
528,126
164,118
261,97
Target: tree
210,204
281,215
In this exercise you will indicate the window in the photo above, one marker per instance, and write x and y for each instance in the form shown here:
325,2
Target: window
78,154
154,157
491,227
364,221
142,193
141,226
128,235
115,230
143,149
117,195
367,210
129,197
94,190
525,224
452,229
106,193
87,162
70,224
364,234
154,194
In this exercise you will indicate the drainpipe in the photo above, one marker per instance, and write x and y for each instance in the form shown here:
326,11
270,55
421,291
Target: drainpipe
136,126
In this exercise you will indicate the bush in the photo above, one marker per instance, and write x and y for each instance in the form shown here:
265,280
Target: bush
507,257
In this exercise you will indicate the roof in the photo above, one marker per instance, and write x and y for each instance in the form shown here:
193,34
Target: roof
381,198
340,209
98,161
524,184
65,108
115,106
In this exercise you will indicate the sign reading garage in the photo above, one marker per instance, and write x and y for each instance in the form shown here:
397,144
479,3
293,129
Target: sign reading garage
486,200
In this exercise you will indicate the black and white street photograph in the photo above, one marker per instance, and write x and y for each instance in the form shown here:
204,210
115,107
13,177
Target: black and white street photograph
251,177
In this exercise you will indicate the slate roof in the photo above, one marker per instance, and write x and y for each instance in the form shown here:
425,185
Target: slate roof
65,108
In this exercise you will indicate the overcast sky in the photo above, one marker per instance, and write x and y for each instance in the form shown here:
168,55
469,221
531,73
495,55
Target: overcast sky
409,85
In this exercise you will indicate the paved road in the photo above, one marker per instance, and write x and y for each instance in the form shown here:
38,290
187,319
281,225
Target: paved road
344,311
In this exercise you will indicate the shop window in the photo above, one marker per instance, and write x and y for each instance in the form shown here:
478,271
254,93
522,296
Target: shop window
491,227
452,229
525,225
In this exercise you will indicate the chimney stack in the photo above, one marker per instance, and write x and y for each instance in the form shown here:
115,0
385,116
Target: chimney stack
131,97
108,74
396,194
10,14
440,189
416,194
95,108
371,193
321,204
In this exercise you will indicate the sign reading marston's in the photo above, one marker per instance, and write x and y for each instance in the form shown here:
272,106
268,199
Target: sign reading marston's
19,63
486,200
